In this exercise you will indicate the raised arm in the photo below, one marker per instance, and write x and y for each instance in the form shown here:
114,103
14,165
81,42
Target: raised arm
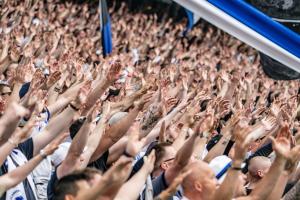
72,160
182,158
60,122
228,186
117,131
132,188
102,85
16,176
17,137
282,148
110,182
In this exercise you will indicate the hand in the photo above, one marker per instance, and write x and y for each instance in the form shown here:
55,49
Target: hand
222,108
114,70
134,145
53,78
93,112
208,123
17,110
23,74
50,148
83,94
38,79
240,133
149,161
119,172
269,123
282,143
143,101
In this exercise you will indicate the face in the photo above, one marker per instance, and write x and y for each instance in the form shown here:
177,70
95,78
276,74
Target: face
209,183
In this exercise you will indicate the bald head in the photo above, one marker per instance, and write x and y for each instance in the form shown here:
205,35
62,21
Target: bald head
259,165
200,182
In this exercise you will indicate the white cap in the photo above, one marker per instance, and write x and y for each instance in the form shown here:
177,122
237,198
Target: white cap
220,165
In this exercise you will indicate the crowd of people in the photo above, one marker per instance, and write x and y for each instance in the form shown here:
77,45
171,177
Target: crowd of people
163,117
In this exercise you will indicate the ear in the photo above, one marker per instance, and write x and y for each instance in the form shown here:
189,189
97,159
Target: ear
164,165
69,197
259,173
198,186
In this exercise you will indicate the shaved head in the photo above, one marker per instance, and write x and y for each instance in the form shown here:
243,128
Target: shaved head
259,164
201,182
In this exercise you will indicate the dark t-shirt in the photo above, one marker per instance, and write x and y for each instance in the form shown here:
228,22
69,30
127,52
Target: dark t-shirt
27,149
99,164
159,184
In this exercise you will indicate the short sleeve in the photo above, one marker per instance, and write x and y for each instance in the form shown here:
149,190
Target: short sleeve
159,184
101,163
27,148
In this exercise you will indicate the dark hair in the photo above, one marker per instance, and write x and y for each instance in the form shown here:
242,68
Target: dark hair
67,185
160,152
75,127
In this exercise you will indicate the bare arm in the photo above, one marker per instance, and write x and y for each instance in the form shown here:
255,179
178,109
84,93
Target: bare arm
118,130
181,159
10,120
278,190
115,133
14,177
60,122
70,163
18,137
110,183
131,189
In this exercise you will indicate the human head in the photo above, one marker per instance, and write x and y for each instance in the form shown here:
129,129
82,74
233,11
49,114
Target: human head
258,167
68,187
165,155
201,183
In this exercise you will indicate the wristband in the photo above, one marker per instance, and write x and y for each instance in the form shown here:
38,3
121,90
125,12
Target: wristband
236,168
43,154
73,107
10,141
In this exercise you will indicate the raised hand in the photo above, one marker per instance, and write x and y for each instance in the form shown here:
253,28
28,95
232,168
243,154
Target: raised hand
146,98
83,94
93,112
281,145
53,78
114,70
149,161
134,145
240,134
38,79
222,108
119,172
